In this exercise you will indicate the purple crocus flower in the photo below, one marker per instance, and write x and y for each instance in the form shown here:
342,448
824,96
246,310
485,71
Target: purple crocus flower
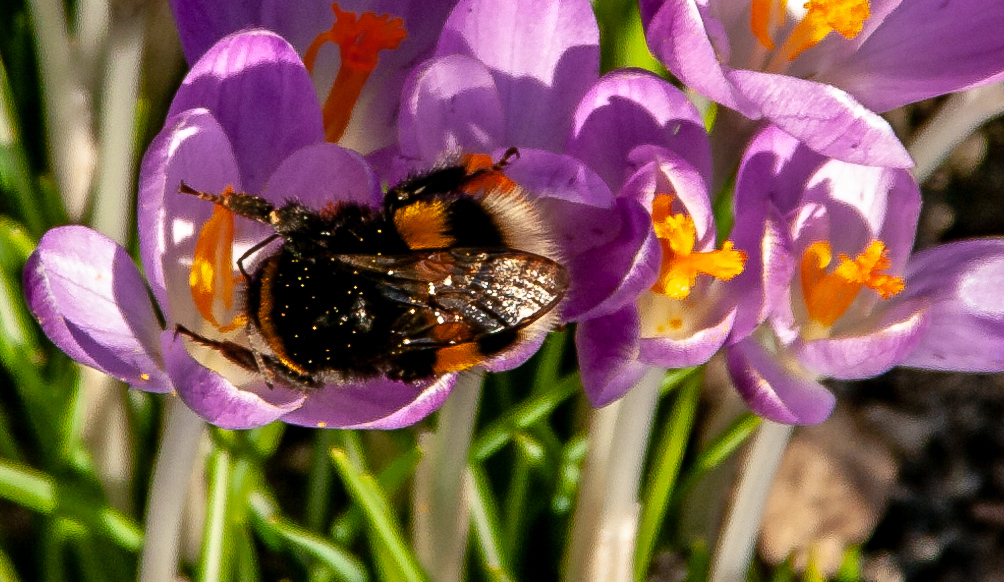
819,71
687,298
856,303
359,52
245,116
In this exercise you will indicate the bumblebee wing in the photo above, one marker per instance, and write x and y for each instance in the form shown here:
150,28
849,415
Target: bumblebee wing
464,295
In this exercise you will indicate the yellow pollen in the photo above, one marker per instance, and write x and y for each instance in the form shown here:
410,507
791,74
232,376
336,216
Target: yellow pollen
822,17
212,278
359,38
673,324
829,295
680,264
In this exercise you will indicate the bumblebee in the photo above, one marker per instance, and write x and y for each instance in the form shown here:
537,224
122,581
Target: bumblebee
453,270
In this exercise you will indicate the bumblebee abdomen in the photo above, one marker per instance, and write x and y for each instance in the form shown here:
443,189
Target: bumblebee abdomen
316,316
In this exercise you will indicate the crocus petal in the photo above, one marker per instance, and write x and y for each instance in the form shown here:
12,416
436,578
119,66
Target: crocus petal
243,76
867,203
661,171
450,104
574,202
629,108
91,301
544,54
962,283
608,350
607,278
201,23
191,148
923,49
515,356
677,35
374,115
772,392
867,354
764,282
378,403
321,174
214,398
825,118
693,350
774,169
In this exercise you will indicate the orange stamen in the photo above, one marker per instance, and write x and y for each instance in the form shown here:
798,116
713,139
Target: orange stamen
822,17
212,279
765,17
359,40
680,264
829,295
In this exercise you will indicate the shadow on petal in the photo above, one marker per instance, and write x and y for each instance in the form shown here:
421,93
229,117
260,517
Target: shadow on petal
377,403
215,398
771,391
91,301
608,355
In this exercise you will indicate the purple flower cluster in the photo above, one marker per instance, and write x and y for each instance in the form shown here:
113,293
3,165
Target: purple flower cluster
815,280
823,71
855,302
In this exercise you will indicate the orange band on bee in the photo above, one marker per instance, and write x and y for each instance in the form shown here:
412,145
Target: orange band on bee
424,225
267,326
457,358
484,175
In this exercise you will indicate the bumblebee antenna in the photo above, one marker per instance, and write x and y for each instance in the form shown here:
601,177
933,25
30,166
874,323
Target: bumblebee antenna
240,203
507,158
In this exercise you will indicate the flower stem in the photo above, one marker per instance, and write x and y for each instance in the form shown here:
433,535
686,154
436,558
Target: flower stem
960,116
441,519
605,524
179,446
742,521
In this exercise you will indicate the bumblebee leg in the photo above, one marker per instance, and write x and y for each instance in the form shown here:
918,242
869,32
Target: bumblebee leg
248,359
237,354
251,251
253,361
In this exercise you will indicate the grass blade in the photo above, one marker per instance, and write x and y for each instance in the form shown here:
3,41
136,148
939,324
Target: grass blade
364,489
27,487
274,527
391,479
214,532
717,451
485,519
522,416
